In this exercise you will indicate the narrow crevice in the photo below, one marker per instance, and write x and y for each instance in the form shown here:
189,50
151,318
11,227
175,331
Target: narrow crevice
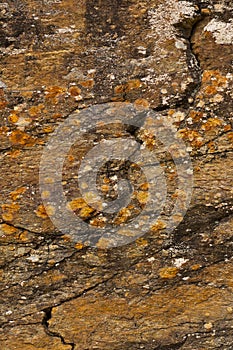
194,61
19,227
187,32
45,324
48,312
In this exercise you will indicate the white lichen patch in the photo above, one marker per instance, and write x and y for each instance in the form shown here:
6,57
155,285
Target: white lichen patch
2,85
174,12
222,31
181,44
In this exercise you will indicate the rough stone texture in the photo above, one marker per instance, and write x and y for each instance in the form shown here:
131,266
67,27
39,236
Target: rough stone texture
164,291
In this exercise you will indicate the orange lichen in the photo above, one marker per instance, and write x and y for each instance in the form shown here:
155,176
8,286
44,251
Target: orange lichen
192,136
196,267
210,90
227,127
128,86
8,211
52,277
53,92
118,99
35,110
24,236
211,124
212,147
88,84
168,272
71,158
13,118
3,104
132,85
79,246
144,186
177,217
74,91
7,229
56,115
205,11
17,193
41,212
196,116
119,89
66,238
3,130
15,154
230,137
141,103
214,77
105,188
19,137
148,139
50,210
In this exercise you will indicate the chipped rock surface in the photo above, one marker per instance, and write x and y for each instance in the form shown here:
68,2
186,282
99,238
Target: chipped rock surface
166,289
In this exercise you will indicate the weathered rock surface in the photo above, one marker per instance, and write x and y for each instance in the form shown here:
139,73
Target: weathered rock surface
164,290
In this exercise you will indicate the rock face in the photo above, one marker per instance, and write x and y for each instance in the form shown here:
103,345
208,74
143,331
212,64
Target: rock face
165,289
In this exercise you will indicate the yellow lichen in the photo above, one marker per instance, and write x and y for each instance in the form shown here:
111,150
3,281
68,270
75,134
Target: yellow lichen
103,243
141,103
159,225
196,267
77,203
168,272
142,196
45,194
98,222
122,216
48,129
50,210
86,211
142,242
17,193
